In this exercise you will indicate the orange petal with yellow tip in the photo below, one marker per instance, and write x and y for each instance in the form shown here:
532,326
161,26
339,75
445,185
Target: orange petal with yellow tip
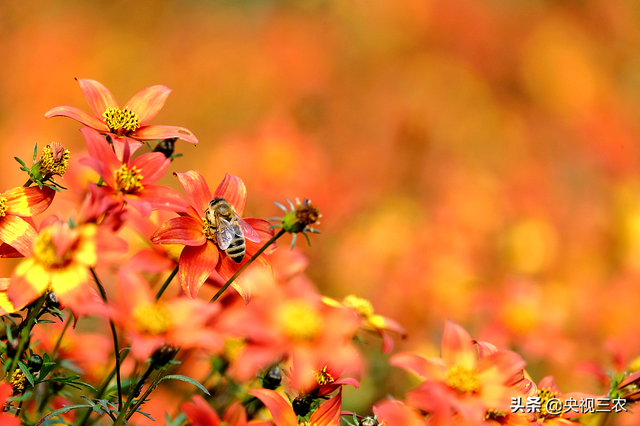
97,95
196,264
149,133
28,282
233,190
6,307
28,201
457,347
66,280
281,411
78,115
16,232
148,102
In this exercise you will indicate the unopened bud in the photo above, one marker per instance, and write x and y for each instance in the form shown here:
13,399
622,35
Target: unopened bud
166,147
273,378
163,355
35,363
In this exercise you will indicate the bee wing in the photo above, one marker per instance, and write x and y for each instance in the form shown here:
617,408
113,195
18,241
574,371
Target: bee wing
225,232
248,231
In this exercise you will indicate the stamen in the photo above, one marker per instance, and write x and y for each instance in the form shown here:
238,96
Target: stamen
44,250
129,180
54,160
208,229
153,319
361,306
462,379
545,394
3,206
322,377
119,120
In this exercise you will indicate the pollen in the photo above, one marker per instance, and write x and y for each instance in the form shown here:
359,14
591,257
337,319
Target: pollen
322,377
300,321
361,306
152,319
208,229
463,380
55,159
545,394
307,213
495,414
3,206
121,121
18,382
129,180
44,250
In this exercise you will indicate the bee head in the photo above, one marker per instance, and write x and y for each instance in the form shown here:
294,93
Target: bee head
221,206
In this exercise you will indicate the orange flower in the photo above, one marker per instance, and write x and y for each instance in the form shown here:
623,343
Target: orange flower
201,255
459,383
396,413
61,258
15,204
556,407
150,324
200,413
328,414
126,124
131,181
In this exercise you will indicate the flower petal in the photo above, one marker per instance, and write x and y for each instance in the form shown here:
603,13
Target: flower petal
119,143
28,202
78,115
196,189
143,206
457,346
280,409
256,274
235,415
148,102
152,166
328,414
28,282
150,133
199,412
100,150
416,364
163,198
233,190
261,227
180,230
16,232
196,263
97,95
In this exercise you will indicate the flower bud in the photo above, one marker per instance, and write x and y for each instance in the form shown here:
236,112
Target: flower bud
301,406
166,147
54,160
273,378
35,363
163,355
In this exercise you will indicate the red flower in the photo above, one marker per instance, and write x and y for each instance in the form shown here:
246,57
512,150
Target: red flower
328,414
7,419
201,255
200,413
127,124
129,180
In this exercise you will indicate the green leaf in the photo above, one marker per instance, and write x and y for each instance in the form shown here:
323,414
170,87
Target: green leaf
26,372
22,163
188,380
35,153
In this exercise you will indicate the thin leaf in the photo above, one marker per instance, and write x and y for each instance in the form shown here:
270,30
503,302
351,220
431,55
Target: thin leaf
186,379
35,153
22,163
26,372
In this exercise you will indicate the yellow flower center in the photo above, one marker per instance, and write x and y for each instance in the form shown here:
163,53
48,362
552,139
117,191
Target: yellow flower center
322,377
18,381
52,166
233,348
301,322
121,119
129,180
153,319
3,206
44,250
462,379
361,306
307,424
545,394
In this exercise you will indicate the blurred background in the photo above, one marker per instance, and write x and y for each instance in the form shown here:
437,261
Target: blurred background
477,160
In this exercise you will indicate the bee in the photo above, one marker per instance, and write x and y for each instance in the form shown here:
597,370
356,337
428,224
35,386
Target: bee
230,230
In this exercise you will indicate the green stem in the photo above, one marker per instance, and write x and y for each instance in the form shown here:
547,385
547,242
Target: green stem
249,262
144,396
166,283
27,183
103,388
115,340
57,346
25,331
